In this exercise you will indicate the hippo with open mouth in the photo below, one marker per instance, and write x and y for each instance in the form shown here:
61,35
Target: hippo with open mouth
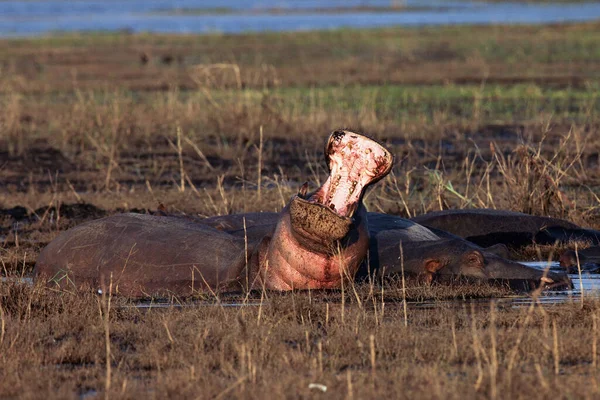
319,240
316,242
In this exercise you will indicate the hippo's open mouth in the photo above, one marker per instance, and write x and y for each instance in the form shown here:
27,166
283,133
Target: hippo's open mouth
354,162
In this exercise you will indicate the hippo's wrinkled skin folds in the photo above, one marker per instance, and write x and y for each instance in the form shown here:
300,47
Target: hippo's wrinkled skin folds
318,240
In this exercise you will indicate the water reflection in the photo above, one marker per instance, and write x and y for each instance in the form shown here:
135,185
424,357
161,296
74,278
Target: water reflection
589,284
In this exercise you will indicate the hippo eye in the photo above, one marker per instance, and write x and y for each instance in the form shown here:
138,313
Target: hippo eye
476,258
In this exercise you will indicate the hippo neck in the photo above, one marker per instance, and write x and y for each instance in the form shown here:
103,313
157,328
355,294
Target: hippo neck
288,263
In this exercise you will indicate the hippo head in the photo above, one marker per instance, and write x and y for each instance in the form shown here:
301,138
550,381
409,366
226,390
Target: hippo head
571,258
449,259
471,262
322,236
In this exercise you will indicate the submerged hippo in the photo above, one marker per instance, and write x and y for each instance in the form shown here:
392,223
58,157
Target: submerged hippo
588,260
426,254
486,227
318,240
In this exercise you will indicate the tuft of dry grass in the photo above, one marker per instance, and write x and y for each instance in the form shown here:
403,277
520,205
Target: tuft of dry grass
447,350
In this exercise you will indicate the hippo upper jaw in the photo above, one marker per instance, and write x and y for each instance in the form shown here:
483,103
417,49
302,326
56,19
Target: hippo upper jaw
322,238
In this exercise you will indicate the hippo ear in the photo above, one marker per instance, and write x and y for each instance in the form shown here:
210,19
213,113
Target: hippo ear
568,259
431,267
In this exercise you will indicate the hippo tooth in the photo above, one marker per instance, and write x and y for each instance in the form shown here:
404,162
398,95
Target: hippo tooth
352,209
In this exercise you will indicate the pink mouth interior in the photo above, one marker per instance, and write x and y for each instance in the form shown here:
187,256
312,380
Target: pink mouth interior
355,161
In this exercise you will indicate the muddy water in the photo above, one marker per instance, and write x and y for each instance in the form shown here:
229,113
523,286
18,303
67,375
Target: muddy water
34,18
587,284
26,280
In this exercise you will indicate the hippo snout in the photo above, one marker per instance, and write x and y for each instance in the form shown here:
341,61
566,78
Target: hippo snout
521,277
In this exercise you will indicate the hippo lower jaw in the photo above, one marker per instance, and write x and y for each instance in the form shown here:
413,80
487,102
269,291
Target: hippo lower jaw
317,227
513,275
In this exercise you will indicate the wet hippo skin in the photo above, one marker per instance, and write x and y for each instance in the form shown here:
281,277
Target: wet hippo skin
487,227
318,240
144,254
428,254
586,260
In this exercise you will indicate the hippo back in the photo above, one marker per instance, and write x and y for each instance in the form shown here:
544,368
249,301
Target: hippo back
405,230
487,227
143,254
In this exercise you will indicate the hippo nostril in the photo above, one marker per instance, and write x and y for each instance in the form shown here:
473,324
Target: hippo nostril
337,135
303,190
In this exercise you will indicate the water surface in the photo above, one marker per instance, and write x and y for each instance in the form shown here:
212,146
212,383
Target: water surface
33,18
587,284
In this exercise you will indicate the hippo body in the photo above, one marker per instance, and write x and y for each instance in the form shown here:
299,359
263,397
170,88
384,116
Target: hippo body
145,254
487,227
318,240
221,261
430,254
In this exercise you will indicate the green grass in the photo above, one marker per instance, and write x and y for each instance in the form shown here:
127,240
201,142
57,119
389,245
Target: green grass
506,44
488,103
494,102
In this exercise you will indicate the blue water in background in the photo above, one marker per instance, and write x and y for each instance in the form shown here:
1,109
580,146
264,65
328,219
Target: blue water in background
32,18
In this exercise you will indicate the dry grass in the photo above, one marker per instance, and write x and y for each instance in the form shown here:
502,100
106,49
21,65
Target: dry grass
54,343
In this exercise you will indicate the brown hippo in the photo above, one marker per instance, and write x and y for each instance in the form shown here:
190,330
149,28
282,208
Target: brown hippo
486,227
319,240
588,259
427,254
